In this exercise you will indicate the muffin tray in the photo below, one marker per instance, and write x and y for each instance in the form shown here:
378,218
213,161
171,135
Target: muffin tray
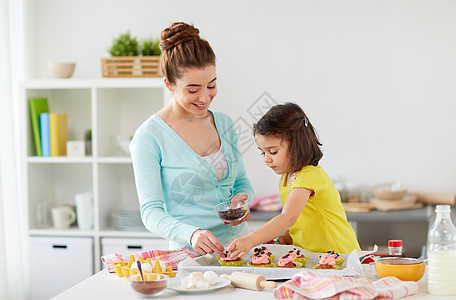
209,263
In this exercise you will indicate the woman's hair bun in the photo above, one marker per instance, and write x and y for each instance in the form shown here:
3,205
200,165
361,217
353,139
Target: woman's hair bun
176,34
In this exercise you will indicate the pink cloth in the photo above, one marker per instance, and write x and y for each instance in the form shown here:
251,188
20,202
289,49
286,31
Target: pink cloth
314,285
171,257
267,203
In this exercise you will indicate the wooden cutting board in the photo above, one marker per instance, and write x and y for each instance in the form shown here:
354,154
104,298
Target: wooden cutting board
437,198
407,202
357,207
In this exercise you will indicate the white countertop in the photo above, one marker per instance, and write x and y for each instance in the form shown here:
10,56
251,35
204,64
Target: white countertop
104,285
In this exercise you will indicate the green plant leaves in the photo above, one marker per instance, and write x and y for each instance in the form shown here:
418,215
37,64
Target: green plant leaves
126,45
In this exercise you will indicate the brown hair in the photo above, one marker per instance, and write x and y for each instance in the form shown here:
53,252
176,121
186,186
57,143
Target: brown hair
289,122
182,48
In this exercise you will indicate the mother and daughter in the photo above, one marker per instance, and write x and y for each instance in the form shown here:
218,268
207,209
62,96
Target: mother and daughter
186,159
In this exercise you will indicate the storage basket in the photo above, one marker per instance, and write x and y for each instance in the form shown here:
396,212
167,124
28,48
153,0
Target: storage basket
131,66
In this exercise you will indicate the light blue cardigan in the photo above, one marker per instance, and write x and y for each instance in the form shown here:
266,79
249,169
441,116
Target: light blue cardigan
178,189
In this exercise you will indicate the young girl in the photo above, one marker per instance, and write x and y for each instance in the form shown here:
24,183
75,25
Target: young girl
312,215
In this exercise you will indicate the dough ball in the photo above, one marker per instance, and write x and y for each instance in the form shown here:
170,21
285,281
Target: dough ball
198,275
211,277
202,284
187,283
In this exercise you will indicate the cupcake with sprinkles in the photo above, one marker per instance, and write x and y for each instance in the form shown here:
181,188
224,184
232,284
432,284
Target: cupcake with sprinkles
298,256
261,258
330,260
287,261
225,260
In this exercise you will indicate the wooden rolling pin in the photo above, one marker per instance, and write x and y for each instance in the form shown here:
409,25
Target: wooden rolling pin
249,281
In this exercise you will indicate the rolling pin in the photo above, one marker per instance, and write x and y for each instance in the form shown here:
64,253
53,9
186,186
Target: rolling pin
249,281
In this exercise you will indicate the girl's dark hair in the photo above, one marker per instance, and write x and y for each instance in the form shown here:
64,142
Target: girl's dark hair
289,122
182,48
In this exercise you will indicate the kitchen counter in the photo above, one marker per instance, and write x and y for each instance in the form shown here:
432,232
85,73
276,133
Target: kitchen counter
421,214
377,227
104,285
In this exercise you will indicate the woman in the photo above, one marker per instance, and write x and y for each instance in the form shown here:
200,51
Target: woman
186,158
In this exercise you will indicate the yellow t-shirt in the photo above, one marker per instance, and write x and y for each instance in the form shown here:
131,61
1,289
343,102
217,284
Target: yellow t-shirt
322,225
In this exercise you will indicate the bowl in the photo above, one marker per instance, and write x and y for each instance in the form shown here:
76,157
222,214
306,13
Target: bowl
389,191
62,70
232,211
403,268
152,286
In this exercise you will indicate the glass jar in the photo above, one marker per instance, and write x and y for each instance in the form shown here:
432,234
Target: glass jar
395,247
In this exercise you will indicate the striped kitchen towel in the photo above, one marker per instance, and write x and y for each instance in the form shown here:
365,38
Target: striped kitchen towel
314,285
172,257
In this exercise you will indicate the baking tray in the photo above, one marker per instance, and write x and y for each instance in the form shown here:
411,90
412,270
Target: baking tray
351,266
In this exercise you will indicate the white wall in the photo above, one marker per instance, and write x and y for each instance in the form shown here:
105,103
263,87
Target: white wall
376,78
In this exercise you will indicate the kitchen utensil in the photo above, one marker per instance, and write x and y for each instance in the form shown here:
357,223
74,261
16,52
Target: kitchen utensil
84,210
249,281
408,201
62,70
62,217
175,285
152,286
389,191
436,198
403,268
357,207
232,211
138,263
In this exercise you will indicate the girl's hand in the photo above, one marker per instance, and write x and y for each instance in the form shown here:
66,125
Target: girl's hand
236,201
285,239
204,242
240,247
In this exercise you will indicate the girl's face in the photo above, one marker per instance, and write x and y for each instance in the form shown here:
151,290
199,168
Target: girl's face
195,90
275,152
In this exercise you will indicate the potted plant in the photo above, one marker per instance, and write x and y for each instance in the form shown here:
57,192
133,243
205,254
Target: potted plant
88,141
124,45
150,47
131,58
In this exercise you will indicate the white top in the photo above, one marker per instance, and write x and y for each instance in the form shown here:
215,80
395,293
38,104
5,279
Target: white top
218,161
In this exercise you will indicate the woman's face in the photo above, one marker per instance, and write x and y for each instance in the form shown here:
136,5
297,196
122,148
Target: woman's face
275,152
195,90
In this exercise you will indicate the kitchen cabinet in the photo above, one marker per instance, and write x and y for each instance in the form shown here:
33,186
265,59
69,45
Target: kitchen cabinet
57,263
110,108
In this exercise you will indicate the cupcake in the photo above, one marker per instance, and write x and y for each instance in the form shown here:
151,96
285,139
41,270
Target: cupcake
225,260
329,260
287,261
298,256
261,258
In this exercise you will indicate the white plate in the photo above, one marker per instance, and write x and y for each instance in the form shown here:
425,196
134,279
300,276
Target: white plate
176,286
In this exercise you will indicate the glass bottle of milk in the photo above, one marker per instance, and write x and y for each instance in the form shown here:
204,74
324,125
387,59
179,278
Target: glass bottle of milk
442,254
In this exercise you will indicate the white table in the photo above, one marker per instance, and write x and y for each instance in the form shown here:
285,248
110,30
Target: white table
104,285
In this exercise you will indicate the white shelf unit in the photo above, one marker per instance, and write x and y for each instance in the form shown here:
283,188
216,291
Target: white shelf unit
108,107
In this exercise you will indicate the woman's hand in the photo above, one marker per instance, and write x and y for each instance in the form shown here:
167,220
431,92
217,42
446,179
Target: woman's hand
240,247
285,239
237,200
204,242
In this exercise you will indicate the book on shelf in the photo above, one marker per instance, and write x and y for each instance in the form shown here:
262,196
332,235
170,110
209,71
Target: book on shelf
37,106
58,133
44,128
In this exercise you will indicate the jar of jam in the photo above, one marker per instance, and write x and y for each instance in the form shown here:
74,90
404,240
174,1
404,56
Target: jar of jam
395,247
